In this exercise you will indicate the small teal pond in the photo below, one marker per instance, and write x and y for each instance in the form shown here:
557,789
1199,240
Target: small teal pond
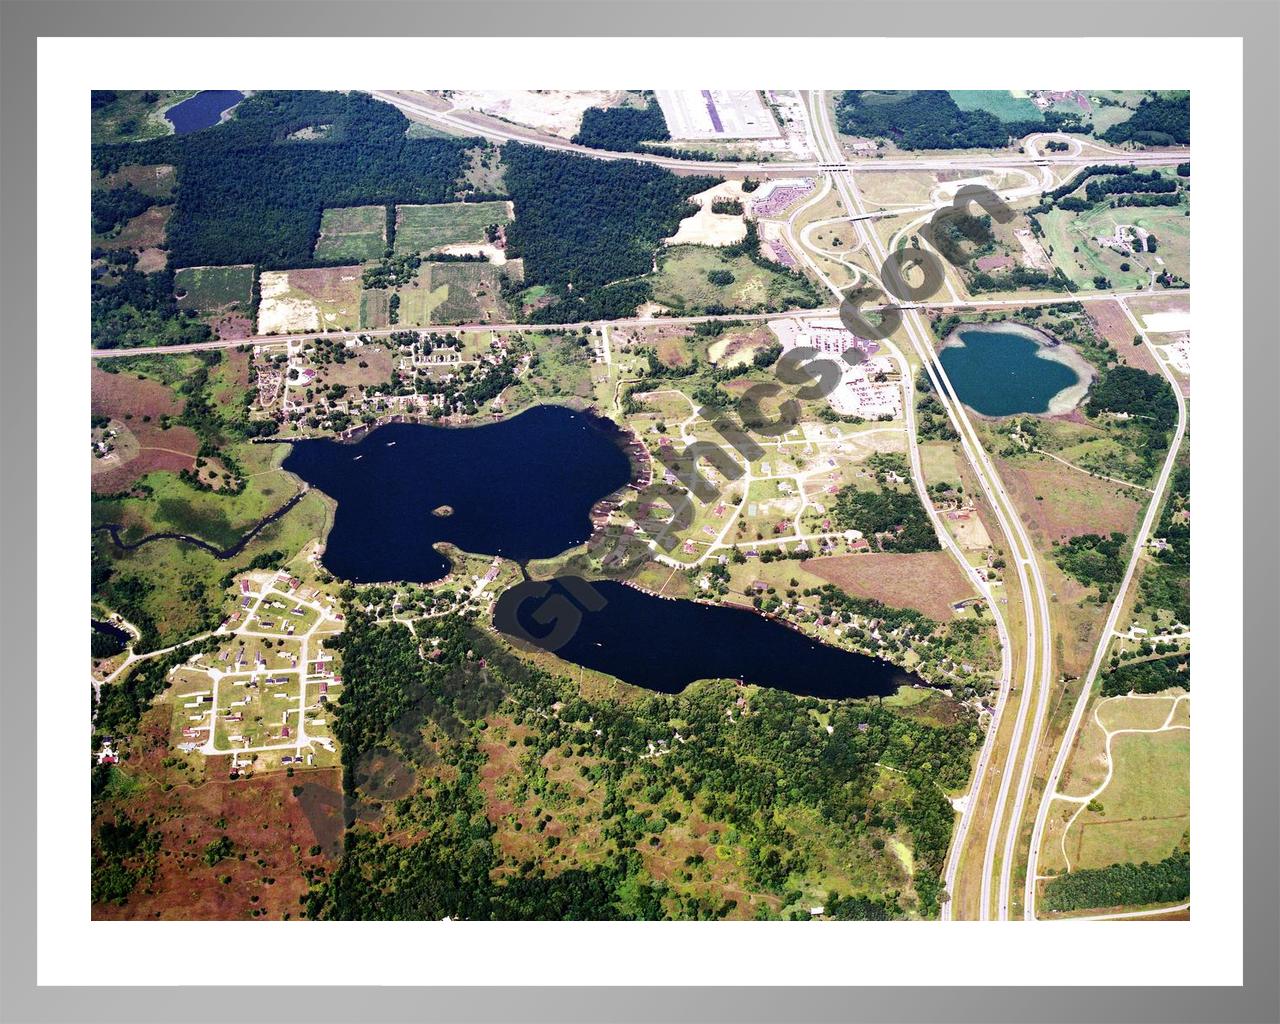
1003,372
202,110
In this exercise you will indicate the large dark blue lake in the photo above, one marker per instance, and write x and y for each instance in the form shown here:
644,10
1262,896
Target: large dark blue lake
665,645
202,110
522,488
1005,371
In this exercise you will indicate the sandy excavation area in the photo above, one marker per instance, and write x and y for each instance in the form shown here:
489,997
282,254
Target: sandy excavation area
550,110
707,228
496,256
282,313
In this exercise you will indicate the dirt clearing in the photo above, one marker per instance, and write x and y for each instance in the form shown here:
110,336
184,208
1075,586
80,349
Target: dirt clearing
708,228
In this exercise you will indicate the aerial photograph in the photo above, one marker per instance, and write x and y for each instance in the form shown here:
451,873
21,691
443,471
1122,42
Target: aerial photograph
640,505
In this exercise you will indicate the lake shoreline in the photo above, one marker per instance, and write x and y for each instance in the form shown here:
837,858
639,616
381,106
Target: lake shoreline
1064,401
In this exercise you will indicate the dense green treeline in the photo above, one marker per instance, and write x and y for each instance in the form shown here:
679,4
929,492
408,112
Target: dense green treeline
622,128
1134,181
1121,885
1085,173
1149,676
930,119
252,189
1094,560
114,207
130,309
891,520
1157,122
1133,392
1166,582
612,302
582,224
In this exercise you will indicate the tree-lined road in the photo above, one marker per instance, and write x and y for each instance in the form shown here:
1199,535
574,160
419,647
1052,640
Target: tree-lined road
636,321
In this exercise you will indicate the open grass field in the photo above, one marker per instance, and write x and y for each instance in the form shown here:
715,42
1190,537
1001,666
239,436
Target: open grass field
423,228
1087,766
375,307
681,283
355,233
474,293
1135,712
1144,809
928,581
214,289
895,188
1160,302
1123,102
1003,103
419,301
939,461
1062,502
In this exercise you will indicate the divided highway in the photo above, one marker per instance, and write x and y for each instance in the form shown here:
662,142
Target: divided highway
1023,554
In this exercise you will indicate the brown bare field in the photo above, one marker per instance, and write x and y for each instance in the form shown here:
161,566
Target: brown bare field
928,581
145,231
233,327
673,350
151,260
272,827
1111,323
123,397
1062,502
325,284
309,300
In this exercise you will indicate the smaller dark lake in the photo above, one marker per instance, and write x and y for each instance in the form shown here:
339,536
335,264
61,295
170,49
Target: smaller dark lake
112,630
665,645
522,488
108,638
202,110
1002,372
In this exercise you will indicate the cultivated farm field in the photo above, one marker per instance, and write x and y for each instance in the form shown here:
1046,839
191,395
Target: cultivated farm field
352,233
214,289
423,228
